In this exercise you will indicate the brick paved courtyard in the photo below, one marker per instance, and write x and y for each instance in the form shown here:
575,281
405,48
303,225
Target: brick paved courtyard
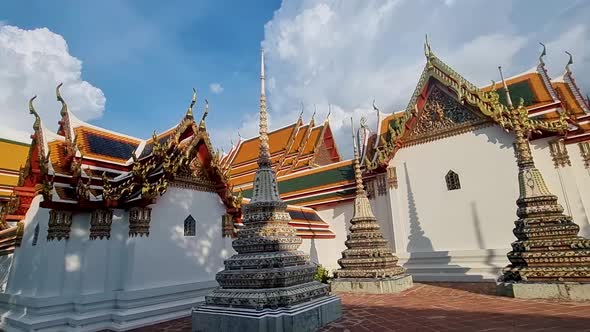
444,307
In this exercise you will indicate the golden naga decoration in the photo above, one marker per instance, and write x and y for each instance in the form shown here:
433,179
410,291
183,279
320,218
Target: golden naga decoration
189,112
37,123
64,106
202,123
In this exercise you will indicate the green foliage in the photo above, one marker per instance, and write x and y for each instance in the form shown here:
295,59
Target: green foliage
321,275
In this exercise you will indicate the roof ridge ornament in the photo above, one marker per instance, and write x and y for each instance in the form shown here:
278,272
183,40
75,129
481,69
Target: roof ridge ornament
189,111
202,123
543,53
64,106
329,112
299,119
427,50
569,63
37,123
375,106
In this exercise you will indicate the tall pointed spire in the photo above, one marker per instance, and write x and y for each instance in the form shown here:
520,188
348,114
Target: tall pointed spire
508,99
268,270
263,154
358,176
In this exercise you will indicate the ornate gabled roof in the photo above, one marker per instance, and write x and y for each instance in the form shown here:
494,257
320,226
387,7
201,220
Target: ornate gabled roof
100,168
569,93
300,146
532,87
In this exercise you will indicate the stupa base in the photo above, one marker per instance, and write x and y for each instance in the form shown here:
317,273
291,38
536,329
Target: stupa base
308,316
372,285
569,291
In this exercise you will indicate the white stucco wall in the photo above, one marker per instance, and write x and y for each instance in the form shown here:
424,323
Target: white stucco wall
68,281
463,233
477,216
327,251
169,257
581,185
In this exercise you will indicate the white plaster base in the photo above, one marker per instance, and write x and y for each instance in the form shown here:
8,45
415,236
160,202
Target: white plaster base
116,311
305,317
572,291
372,285
483,265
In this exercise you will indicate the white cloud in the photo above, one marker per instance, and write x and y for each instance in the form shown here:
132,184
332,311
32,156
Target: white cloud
216,88
33,62
347,53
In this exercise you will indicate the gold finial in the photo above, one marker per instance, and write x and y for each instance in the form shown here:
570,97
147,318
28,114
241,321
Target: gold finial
569,62
315,109
64,106
189,112
202,123
301,113
508,99
37,123
329,112
264,154
542,54
374,106
357,167
493,85
427,49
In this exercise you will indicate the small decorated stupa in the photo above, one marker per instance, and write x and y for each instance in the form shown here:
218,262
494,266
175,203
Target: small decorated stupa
368,265
269,285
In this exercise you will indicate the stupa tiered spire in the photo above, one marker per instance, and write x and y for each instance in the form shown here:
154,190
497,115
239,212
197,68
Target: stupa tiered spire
268,271
548,248
367,254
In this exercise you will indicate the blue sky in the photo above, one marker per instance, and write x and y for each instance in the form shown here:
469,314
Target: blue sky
129,66
147,55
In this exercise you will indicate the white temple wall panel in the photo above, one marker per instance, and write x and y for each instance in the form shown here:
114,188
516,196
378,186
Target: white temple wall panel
119,283
381,208
329,250
437,223
169,257
582,183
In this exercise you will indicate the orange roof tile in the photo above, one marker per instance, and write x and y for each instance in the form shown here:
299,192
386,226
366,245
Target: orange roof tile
312,141
57,156
301,134
277,140
567,97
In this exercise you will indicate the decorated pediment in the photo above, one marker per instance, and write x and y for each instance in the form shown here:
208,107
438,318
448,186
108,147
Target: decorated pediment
442,116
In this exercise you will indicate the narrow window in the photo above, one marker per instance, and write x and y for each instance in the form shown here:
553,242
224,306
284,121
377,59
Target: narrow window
452,179
36,235
190,226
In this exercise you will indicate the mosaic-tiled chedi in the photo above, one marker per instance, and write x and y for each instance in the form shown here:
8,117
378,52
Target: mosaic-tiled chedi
548,247
268,271
367,254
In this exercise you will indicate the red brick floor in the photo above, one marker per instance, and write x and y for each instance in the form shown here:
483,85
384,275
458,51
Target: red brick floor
444,307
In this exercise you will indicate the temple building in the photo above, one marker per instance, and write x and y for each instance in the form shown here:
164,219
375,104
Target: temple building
101,230
108,231
441,174
14,157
